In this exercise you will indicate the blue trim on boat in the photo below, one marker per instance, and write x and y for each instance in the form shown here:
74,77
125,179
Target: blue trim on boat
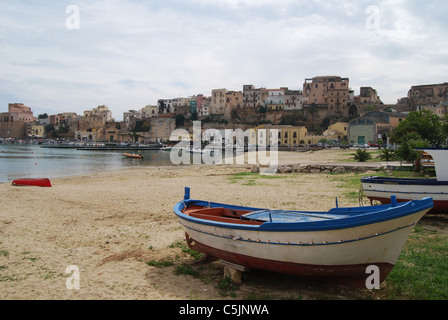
356,217
404,181
407,192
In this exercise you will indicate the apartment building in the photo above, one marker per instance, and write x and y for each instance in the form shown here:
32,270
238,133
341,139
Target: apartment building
101,111
290,136
219,98
432,97
274,99
16,123
330,92
253,97
293,99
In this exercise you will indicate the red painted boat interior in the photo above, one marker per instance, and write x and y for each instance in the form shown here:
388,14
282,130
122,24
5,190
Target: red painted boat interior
220,215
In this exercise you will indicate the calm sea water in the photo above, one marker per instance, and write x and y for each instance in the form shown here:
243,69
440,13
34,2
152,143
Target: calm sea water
32,161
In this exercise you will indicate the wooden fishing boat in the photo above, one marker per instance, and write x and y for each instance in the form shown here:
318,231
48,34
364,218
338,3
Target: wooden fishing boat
338,245
38,182
405,189
132,155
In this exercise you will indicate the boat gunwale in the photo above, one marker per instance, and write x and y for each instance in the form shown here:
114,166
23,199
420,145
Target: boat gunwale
403,181
357,218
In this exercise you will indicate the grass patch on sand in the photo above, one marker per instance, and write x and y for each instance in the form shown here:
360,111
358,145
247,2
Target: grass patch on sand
421,271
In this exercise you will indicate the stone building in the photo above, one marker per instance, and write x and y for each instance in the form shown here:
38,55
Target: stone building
253,97
16,123
218,105
330,92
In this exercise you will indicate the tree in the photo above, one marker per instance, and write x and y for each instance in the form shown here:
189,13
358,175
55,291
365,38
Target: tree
421,129
362,155
387,155
408,152
180,120
420,125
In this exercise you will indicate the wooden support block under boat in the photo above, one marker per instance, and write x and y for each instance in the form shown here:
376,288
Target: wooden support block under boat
233,271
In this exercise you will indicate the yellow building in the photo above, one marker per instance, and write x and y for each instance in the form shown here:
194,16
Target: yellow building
37,130
337,131
287,135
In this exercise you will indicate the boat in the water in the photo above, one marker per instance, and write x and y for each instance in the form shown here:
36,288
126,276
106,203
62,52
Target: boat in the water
36,182
405,189
133,155
338,245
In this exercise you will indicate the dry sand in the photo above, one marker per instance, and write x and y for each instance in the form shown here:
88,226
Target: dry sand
110,223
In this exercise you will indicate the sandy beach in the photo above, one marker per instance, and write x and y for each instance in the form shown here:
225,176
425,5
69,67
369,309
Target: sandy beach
111,223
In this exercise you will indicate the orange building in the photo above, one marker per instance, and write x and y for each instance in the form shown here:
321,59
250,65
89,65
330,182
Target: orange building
331,92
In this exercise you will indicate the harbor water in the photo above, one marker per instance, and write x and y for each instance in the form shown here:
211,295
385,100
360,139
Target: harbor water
33,161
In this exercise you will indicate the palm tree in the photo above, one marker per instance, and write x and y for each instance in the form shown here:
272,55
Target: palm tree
362,155
387,155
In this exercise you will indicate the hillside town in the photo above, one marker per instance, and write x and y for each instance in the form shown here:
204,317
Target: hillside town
326,109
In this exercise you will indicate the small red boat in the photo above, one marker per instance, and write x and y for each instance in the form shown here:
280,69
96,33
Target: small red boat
39,182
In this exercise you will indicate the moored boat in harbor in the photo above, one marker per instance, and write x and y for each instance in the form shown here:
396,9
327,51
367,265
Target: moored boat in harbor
338,245
133,155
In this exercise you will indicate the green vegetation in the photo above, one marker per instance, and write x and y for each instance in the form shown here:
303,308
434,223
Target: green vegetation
362,155
421,129
421,272
226,287
250,179
387,155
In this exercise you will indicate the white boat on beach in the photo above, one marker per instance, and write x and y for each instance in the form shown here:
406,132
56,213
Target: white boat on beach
405,189
338,245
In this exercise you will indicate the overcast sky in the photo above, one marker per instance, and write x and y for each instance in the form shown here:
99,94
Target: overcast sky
128,54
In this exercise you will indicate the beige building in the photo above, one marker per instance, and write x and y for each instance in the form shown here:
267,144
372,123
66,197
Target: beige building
17,122
253,97
287,135
37,131
368,95
337,131
150,111
234,100
219,101
433,97
101,111
331,92
11,129
161,128
20,112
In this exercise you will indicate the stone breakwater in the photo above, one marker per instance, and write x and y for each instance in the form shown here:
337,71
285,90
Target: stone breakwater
322,168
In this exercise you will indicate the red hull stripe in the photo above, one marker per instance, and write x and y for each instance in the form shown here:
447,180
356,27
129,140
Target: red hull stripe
351,275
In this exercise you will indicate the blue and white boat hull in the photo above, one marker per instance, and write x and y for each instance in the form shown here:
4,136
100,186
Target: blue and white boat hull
338,245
